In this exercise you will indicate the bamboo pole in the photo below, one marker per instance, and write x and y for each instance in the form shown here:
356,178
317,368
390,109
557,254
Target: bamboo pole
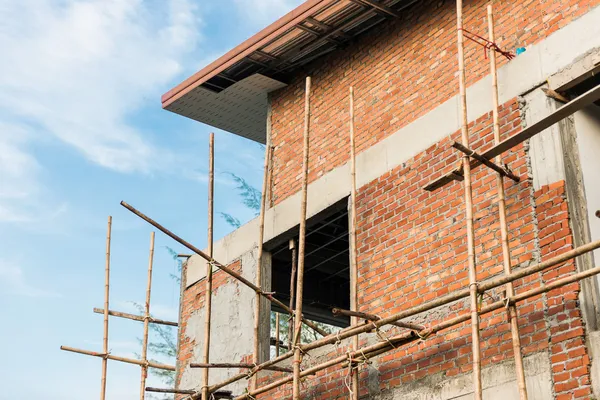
276,334
259,259
372,317
182,287
208,282
439,301
175,391
394,342
354,252
292,292
146,320
477,389
106,292
512,309
222,267
108,356
301,245
134,317
237,365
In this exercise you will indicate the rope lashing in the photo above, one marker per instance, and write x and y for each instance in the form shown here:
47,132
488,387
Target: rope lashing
487,44
382,336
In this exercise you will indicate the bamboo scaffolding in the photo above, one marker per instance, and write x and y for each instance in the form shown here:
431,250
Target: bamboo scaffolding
500,170
292,293
354,252
259,260
512,309
440,301
372,317
215,396
135,317
222,267
237,365
301,245
108,356
106,292
175,391
466,161
146,320
277,334
209,272
405,338
530,131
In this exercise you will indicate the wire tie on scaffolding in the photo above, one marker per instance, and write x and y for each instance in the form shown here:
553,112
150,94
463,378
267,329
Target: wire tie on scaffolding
424,333
382,336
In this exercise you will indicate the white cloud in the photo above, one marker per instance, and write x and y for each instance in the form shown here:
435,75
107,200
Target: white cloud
75,71
13,282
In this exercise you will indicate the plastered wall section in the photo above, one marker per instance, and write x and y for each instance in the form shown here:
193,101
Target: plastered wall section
231,324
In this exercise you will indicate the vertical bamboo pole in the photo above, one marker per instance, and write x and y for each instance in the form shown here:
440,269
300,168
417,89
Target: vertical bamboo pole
259,259
292,293
277,334
147,320
106,291
354,250
477,389
512,309
301,246
209,267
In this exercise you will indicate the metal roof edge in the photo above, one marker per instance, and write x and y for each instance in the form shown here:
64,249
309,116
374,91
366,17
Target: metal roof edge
244,49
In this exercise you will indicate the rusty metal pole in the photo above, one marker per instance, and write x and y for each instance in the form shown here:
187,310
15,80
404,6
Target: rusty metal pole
512,309
477,388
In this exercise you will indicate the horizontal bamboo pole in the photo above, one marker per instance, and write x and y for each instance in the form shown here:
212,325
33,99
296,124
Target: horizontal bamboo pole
440,301
109,356
222,267
405,338
237,365
134,317
372,317
175,391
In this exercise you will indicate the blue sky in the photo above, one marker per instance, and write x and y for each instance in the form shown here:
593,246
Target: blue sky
81,128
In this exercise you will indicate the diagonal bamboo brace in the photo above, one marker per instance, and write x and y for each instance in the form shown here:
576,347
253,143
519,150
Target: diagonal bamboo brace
222,267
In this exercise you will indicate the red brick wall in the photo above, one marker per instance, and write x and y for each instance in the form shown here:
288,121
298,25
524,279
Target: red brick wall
401,71
413,249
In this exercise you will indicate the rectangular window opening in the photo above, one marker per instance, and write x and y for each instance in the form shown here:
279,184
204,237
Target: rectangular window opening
326,274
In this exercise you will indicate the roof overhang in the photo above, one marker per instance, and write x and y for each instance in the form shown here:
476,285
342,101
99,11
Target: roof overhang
231,93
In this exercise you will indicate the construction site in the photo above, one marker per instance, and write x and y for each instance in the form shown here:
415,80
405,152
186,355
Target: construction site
430,209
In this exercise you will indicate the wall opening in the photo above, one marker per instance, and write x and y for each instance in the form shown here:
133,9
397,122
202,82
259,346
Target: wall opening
326,270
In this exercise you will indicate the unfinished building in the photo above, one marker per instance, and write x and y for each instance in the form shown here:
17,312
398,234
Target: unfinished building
422,224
